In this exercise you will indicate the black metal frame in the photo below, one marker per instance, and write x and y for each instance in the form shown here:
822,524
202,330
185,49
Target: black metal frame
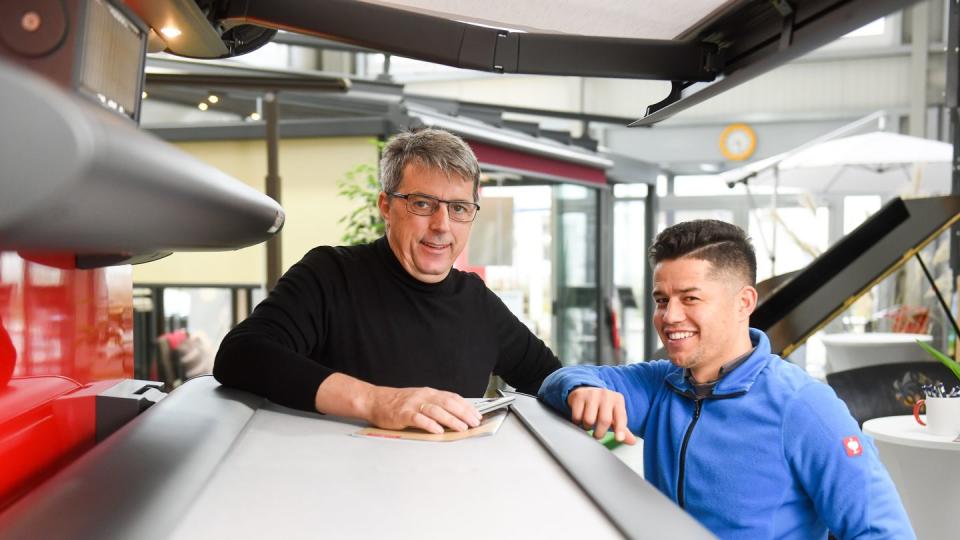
458,44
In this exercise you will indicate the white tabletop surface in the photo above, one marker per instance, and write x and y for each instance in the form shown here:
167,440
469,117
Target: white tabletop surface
906,431
303,476
924,469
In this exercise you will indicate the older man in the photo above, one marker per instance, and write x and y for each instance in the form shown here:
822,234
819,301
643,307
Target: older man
750,445
390,332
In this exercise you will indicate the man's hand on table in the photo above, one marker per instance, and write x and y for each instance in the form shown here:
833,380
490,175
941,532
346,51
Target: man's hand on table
395,408
600,409
425,408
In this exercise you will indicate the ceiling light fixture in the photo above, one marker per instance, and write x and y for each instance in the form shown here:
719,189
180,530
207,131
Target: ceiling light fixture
203,106
170,31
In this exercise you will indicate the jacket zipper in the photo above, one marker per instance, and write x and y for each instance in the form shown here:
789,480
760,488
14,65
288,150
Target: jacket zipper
698,404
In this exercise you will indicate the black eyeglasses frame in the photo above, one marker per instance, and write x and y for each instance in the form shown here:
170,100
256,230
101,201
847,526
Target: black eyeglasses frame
437,200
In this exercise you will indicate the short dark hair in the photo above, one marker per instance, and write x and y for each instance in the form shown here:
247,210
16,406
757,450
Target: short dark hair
726,246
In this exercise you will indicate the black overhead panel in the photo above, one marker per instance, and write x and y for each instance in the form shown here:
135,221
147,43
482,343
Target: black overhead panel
459,44
725,48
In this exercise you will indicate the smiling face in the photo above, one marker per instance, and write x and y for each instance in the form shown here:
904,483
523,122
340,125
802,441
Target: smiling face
702,316
426,246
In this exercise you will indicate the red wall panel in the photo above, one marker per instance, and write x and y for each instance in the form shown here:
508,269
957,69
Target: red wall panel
489,154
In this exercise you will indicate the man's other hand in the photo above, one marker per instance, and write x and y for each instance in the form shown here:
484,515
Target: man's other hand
600,409
426,408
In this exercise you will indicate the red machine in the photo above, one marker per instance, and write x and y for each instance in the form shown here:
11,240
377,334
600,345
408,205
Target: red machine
65,336
84,192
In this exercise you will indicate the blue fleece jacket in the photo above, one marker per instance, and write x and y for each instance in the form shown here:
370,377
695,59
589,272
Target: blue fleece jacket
772,453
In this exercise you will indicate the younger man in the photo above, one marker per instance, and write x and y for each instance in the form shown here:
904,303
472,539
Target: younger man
749,444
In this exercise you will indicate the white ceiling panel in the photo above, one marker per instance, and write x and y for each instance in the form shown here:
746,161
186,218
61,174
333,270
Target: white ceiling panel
650,19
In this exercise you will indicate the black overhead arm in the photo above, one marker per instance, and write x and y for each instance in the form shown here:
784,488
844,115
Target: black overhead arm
725,49
760,36
458,44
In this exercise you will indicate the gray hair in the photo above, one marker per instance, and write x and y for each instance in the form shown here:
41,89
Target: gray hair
431,148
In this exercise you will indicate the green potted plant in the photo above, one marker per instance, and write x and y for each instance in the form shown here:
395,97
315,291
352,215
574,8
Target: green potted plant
951,364
361,186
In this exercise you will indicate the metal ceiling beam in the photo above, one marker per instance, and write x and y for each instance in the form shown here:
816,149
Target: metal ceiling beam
175,65
293,104
454,106
250,82
289,129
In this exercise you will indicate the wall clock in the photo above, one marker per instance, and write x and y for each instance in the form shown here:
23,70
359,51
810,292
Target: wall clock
737,142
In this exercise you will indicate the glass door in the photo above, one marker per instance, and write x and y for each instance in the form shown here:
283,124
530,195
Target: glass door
578,302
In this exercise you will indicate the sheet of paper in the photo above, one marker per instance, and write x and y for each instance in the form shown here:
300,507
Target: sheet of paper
488,426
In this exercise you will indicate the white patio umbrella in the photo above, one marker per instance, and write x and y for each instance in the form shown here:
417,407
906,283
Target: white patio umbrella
876,163
872,163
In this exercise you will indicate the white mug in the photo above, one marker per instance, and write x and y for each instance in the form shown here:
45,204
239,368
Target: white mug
943,415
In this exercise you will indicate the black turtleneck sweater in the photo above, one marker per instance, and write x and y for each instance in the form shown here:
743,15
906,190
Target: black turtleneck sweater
355,310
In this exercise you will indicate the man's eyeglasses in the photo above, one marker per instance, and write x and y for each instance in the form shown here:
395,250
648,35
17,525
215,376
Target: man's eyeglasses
426,205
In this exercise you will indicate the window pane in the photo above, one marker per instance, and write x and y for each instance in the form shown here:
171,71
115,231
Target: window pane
629,268
513,252
576,281
801,235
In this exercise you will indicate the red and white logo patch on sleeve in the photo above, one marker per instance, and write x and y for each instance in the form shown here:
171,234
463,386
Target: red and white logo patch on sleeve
852,446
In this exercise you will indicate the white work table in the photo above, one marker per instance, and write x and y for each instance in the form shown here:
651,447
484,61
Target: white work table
926,470
211,462
288,466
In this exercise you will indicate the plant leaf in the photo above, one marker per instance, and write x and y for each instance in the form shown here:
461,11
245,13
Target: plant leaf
360,186
951,364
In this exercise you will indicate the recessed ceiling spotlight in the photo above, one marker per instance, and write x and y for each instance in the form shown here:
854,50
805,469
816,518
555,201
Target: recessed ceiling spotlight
203,106
213,98
254,116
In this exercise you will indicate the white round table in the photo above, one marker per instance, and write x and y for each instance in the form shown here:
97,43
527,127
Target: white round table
926,471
